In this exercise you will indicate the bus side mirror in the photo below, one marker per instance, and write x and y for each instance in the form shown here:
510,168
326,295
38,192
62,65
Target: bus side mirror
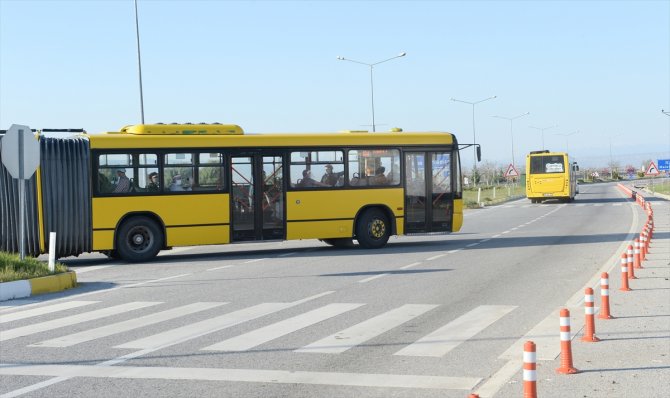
479,153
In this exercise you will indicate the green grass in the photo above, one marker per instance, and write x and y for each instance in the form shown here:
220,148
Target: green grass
13,269
502,195
663,188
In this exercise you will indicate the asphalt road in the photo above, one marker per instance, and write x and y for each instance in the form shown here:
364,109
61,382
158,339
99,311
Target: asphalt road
428,316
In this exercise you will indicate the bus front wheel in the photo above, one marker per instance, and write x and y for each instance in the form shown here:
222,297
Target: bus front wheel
373,229
138,239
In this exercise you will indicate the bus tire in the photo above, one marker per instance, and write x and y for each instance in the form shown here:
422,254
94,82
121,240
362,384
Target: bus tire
138,239
342,243
373,229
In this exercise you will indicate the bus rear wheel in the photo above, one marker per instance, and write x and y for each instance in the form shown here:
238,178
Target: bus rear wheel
138,239
373,229
342,243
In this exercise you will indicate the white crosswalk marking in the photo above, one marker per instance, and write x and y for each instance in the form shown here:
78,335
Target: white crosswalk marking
15,316
120,327
448,337
364,331
271,332
207,326
72,320
244,375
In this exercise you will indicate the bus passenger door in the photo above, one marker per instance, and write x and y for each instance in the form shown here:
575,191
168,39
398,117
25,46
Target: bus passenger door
257,198
428,192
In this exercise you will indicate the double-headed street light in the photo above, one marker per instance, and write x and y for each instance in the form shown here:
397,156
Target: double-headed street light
474,138
511,128
542,130
372,89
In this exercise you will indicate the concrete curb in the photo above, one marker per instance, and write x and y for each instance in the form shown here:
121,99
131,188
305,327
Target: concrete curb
31,287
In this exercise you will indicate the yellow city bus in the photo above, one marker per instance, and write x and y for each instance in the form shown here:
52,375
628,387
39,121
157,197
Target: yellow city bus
550,175
146,188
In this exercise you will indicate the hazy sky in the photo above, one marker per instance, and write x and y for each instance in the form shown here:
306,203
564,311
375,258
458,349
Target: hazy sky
601,68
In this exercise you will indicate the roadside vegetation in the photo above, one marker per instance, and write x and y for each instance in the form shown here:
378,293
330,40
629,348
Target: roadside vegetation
491,195
13,269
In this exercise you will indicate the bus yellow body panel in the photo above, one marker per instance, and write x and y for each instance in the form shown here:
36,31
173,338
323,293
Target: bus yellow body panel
115,141
330,214
188,219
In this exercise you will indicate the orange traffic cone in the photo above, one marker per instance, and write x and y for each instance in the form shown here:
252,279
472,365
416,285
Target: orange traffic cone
566,345
605,296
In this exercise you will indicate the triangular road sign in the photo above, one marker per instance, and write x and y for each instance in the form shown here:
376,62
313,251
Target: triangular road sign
652,170
511,171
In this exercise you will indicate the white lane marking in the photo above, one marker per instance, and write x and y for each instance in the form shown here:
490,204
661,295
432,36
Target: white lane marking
435,257
366,280
286,254
473,244
377,380
366,330
484,240
82,270
505,232
217,268
409,265
15,316
514,229
495,236
617,204
454,251
120,327
75,296
276,330
598,204
456,332
254,261
73,319
198,329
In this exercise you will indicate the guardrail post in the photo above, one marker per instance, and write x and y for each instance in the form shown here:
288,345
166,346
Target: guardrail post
52,252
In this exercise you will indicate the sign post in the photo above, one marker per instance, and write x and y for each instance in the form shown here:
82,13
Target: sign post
21,156
652,171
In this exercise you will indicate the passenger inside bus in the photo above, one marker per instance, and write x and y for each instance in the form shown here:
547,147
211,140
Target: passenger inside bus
307,181
123,183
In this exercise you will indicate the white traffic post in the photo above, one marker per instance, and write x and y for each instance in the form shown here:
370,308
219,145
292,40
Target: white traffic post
52,251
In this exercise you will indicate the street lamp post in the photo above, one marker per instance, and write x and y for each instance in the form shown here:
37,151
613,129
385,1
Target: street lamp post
139,62
542,130
372,89
474,138
566,135
511,128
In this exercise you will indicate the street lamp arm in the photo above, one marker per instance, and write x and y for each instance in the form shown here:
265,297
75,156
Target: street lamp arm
351,60
465,102
402,54
486,99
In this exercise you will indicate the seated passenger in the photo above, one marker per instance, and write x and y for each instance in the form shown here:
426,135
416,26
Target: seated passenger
154,184
307,180
379,177
176,185
329,178
123,183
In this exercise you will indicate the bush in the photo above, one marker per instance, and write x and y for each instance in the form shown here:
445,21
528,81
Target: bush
13,269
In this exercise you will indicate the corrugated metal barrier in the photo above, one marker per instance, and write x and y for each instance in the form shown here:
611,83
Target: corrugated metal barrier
66,193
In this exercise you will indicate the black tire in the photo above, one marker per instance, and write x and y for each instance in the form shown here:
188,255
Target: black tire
341,243
138,239
373,229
